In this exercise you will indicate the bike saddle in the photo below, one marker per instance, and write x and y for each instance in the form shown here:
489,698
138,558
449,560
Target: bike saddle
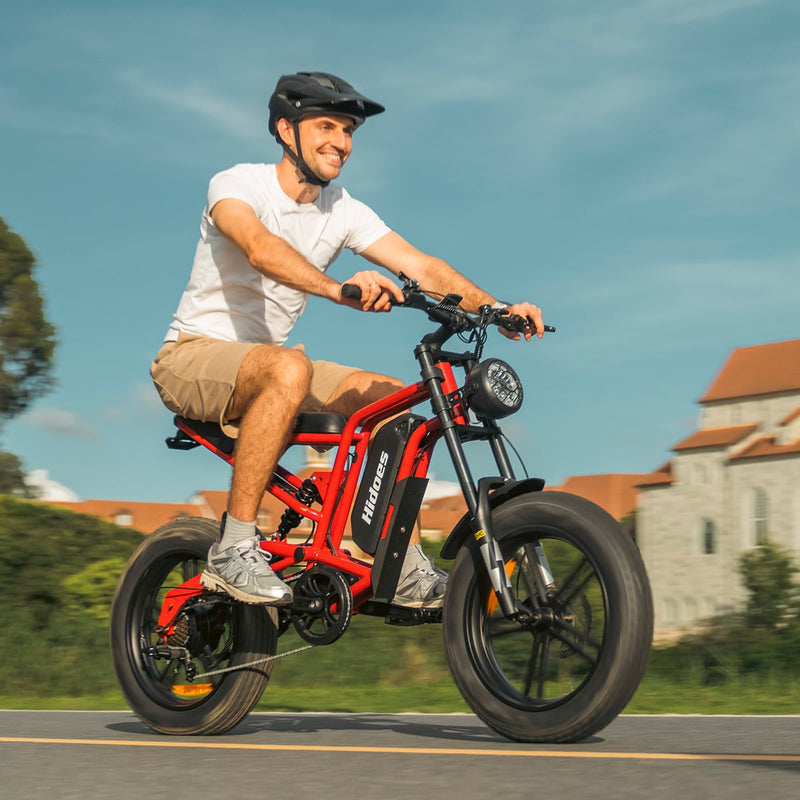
310,422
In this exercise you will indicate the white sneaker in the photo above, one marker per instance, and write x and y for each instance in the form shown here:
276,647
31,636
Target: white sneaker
421,585
243,572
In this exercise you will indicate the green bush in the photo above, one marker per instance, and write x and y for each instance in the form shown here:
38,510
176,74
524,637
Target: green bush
58,571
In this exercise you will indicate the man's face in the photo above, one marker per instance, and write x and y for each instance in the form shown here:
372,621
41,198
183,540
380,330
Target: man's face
326,142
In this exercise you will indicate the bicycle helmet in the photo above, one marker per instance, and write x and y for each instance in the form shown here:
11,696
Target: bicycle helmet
304,93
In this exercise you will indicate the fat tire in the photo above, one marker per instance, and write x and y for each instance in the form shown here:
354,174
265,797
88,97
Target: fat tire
234,694
622,654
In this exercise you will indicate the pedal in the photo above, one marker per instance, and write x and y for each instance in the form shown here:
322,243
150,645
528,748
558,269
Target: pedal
401,615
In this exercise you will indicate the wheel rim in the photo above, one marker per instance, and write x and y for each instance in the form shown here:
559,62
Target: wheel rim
207,628
541,664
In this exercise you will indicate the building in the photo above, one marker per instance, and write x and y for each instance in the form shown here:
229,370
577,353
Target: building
729,486
617,493
441,509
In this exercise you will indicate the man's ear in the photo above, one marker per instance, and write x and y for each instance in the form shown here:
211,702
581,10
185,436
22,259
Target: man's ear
285,131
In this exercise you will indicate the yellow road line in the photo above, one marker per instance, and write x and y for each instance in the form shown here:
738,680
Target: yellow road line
433,751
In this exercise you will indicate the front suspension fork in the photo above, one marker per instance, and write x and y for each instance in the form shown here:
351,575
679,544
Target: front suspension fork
491,555
477,501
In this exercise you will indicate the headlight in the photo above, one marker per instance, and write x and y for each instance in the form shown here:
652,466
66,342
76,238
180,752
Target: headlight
493,390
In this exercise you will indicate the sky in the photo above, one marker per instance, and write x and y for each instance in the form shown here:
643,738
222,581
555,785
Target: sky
630,166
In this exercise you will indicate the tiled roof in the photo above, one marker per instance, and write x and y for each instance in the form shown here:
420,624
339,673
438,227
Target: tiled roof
614,492
145,517
716,437
759,370
790,417
765,447
661,477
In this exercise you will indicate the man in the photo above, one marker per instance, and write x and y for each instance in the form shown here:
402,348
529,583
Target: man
268,235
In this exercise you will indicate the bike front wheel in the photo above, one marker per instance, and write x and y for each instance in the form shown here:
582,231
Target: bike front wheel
208,672
568,670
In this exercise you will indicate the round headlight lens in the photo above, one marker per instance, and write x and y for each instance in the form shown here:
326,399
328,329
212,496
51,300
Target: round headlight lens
493,390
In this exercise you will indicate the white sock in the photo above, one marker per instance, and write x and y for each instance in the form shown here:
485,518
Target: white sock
234,531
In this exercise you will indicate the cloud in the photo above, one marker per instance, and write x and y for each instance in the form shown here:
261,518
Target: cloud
49,490
658,307
59,421
200,101
141,401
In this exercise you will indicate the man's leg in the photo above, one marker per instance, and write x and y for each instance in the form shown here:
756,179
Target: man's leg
271,383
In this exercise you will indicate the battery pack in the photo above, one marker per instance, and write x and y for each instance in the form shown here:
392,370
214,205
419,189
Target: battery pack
378,481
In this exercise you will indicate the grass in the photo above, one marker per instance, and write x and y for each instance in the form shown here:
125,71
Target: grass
742,695
56,639
748,695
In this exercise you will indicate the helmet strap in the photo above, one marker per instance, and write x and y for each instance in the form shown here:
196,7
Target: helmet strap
297,158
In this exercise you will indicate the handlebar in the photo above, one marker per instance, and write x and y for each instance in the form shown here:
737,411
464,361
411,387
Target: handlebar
448,312
351,292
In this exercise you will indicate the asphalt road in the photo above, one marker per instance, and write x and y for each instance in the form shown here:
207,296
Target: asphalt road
110,754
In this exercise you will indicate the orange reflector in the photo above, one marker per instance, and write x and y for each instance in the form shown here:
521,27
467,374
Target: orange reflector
192,690
491,605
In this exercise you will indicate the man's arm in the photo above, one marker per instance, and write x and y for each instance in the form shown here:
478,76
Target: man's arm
436,276
277,259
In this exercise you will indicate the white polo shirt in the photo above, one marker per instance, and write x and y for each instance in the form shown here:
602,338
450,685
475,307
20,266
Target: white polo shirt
228,299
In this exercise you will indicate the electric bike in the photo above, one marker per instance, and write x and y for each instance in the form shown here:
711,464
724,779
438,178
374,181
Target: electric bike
547,618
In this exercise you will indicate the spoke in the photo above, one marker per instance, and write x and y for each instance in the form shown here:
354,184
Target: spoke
575,640
189,569
537,665
568,584
505,627
209,658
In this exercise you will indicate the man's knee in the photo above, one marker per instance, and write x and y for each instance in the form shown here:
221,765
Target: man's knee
278,370
294,370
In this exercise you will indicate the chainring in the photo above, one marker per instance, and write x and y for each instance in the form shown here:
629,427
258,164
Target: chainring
322,606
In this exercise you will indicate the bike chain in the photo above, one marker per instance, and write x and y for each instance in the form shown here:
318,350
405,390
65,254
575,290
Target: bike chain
254,663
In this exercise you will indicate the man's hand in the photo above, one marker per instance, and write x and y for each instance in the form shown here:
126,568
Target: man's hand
534,316
376,292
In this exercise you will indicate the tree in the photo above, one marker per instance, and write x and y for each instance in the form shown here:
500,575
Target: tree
27,339
767,572
12,477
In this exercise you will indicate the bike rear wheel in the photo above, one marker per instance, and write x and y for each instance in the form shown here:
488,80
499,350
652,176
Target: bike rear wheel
568,673
211,633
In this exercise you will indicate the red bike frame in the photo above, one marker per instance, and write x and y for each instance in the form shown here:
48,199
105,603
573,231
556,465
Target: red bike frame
336,487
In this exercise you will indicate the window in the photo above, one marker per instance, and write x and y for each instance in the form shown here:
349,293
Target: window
756,521
708,544
796,517
123,518
701,474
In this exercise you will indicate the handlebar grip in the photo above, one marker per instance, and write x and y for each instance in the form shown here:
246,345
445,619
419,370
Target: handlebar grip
519,324
351,292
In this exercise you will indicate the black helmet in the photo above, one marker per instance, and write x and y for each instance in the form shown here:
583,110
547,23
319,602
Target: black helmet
305,93
295,96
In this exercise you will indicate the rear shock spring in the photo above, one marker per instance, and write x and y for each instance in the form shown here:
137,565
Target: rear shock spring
290,519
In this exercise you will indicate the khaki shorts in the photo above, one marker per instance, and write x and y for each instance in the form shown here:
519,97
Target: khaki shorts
195,377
